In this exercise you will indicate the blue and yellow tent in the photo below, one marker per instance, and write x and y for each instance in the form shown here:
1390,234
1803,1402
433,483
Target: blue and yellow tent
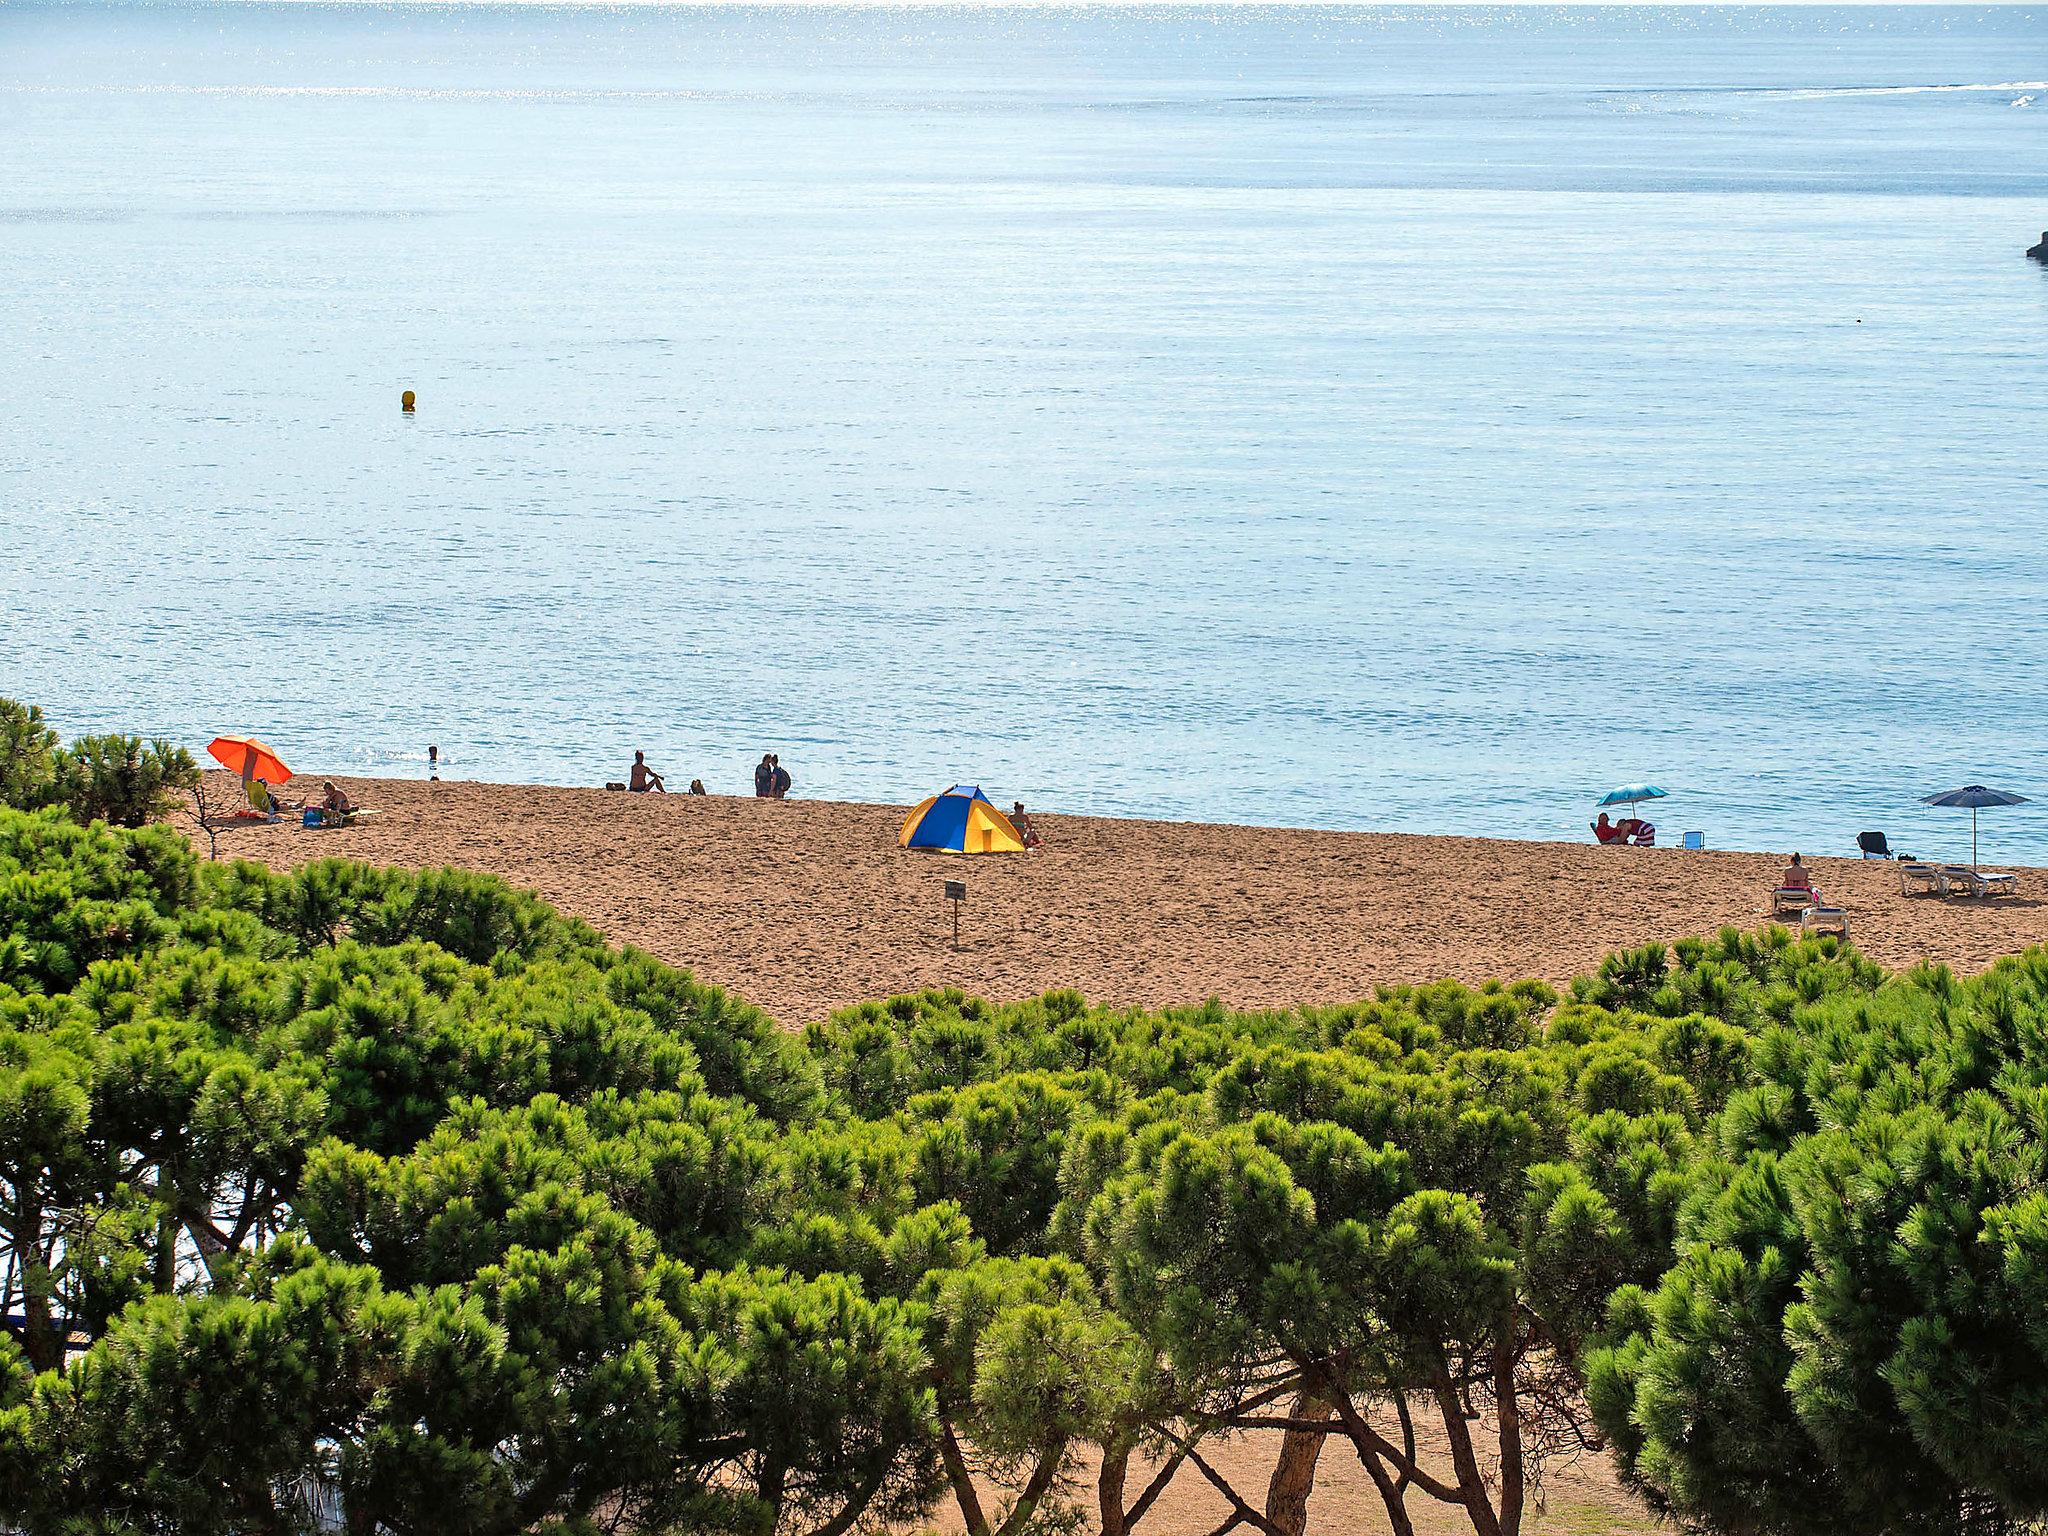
960,821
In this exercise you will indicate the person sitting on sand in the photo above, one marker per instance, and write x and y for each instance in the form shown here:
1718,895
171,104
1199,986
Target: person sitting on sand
334,808
1024,827
644,778
697,787
267,802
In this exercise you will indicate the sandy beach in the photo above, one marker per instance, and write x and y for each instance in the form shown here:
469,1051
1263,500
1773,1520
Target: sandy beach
806,906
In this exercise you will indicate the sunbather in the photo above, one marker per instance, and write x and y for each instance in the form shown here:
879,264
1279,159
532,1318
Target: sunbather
1609,832
644,778
1024,827
1795,889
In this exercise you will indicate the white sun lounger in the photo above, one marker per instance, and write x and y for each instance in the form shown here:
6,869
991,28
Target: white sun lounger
1919,877
1960,880
1816,920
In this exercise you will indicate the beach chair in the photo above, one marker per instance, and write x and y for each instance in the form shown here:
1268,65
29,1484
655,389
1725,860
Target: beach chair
1696,841
263,803
1819,920
1915,876
1961,880
1791,898
1873,845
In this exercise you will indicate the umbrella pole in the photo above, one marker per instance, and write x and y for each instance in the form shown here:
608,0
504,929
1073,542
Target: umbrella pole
1973,840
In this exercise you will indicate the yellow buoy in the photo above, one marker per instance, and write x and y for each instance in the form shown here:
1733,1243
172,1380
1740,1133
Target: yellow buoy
405,401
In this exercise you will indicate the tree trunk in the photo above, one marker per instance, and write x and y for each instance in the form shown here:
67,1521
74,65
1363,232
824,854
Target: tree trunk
1035,1490
773,1487
1109,1487
39,1340
855,1507
1512,1482
1471,1482
1294,1473
962,1480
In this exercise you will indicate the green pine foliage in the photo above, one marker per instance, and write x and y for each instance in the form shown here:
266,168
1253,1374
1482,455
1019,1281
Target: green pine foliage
1855,1333
121,780
403,1201
27,755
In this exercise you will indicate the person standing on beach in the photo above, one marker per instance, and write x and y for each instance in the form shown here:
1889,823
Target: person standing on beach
764,777
781,779
644,778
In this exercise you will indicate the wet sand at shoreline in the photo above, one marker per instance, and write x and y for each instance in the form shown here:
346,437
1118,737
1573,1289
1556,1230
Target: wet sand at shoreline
806,906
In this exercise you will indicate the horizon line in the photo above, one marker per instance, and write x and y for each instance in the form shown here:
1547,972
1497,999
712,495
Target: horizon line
1098,5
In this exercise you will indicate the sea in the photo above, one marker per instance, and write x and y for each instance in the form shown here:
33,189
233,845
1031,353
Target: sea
1417,418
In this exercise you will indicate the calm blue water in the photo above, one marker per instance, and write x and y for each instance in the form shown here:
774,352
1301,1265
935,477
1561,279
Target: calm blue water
1392,418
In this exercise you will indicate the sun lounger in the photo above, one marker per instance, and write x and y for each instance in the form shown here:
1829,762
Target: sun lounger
1919,877
1818,920
1791,898
1960,880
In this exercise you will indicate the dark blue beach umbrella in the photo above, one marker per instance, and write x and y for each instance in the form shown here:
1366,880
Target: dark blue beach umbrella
1975,796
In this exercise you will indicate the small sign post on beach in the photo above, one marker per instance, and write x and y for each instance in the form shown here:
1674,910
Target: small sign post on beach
956,892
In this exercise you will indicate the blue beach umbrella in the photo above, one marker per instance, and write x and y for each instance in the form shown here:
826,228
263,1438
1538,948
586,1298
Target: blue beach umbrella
1630,794
1975,796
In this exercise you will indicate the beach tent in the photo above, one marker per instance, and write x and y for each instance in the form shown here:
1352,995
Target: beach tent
960,820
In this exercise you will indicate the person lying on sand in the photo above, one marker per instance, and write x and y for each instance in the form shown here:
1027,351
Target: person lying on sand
644,778
1024,827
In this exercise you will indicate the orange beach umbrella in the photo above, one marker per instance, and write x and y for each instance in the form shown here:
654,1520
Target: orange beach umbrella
248,757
